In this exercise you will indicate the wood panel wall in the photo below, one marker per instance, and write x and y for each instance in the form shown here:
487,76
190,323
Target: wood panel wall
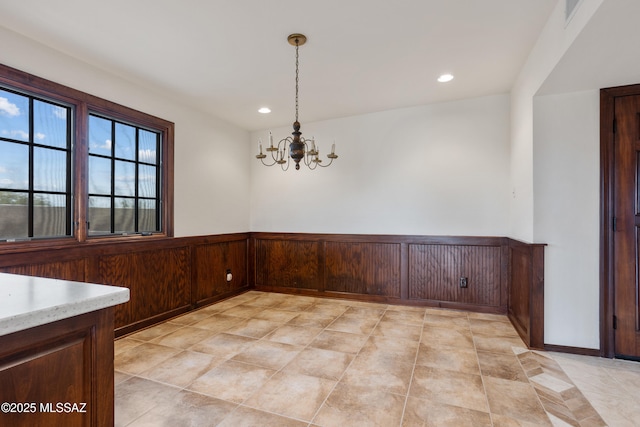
502,274
418,270
165,276
436,271
159,280
526,291
210,264
363,268
287,264
169,276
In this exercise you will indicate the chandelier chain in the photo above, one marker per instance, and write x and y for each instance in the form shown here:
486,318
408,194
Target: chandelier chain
297,79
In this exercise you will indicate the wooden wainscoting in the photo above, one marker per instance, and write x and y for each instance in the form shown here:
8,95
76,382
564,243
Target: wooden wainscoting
435,273
288,264
158,279
165,276
170,276
502,275
361,268
211,260
526,291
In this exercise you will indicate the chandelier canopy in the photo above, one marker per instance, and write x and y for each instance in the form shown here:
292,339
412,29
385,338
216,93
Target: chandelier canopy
299,148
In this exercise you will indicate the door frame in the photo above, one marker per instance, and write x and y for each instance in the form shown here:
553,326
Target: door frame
607,140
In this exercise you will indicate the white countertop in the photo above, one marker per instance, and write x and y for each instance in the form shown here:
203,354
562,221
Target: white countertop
27,301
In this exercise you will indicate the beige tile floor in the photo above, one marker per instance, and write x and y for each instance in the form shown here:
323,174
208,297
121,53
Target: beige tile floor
268,359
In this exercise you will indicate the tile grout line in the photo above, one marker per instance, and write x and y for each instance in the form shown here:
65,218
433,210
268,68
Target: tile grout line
484,387
238,405
310,422
306,346
413,369
243,403
348,366
385,309
185,388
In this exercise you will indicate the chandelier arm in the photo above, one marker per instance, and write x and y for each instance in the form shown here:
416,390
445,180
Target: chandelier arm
274,156
262,160
306,159
282,152
309,164
283,167
330,161
327,165
286,151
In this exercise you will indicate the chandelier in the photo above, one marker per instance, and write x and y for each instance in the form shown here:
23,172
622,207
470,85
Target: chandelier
299,148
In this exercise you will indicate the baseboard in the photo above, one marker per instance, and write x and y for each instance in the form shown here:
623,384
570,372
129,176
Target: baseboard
574,350
150,321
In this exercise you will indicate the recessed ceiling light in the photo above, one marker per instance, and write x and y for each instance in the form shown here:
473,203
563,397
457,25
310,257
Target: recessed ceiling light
264,110
445,78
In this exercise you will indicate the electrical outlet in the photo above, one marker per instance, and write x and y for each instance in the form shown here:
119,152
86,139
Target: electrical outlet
229,275
464,282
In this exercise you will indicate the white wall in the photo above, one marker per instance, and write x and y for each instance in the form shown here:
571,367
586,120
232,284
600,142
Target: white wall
553,42
544,209
438,169
211,170
567,195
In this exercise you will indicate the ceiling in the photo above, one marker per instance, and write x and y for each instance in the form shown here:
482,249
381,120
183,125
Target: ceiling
604,54
230,57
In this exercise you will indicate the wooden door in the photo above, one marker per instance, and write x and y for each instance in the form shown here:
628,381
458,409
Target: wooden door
626,226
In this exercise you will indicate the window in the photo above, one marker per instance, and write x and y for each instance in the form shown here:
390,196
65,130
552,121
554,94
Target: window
35,167
124,178
74,167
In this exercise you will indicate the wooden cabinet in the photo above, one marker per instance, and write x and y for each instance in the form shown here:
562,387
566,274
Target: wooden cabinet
61,373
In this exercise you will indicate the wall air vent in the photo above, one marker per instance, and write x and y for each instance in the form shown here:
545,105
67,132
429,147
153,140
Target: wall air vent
570,9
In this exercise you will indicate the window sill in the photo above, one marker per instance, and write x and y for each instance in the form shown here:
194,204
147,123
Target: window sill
71,243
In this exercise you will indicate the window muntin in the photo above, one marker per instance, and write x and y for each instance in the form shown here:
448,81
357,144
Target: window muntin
35,167
124,178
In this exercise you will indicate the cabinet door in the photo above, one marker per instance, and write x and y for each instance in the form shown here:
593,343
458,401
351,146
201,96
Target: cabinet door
59,374
435,273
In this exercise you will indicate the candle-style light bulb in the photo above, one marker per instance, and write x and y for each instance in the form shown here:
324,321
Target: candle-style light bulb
270,140
333,148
